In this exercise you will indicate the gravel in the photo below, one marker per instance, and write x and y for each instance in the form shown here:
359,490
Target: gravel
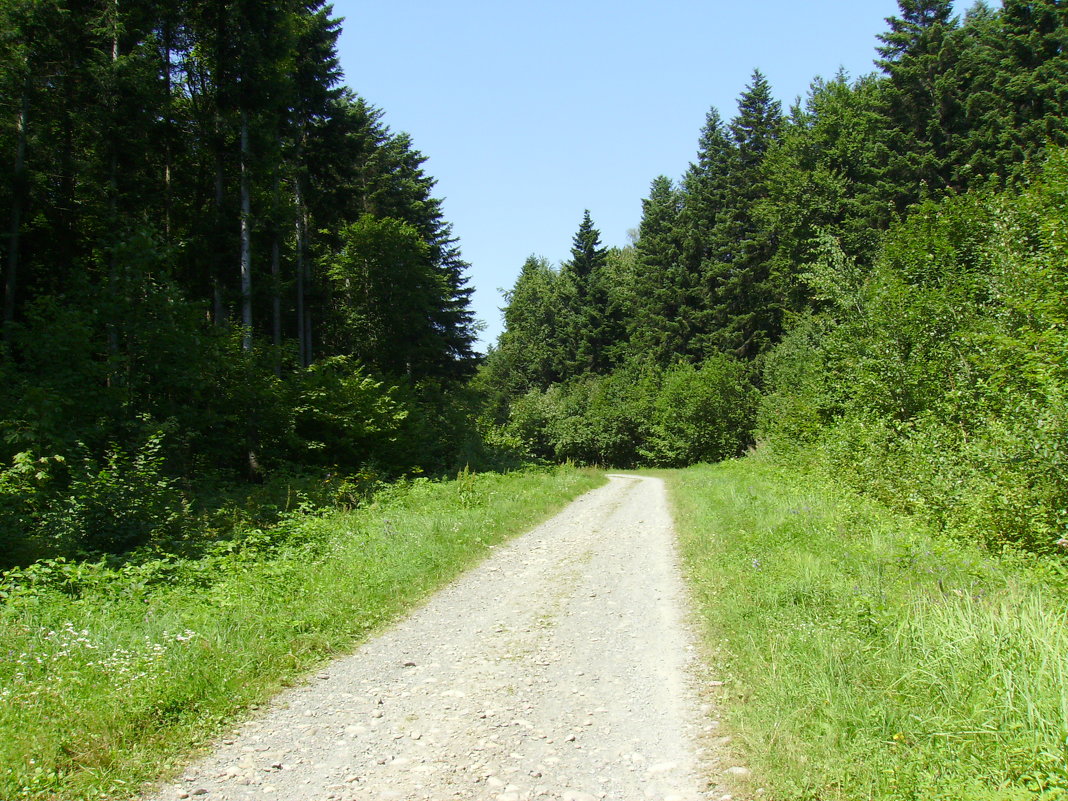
560,668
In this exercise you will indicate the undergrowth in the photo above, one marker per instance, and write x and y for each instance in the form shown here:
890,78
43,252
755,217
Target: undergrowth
110,673
866,658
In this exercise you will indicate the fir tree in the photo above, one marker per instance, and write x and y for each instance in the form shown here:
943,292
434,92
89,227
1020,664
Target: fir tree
592,327
662,321
922,108
704,231
746,317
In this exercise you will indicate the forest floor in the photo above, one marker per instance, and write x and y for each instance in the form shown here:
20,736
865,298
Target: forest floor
562,667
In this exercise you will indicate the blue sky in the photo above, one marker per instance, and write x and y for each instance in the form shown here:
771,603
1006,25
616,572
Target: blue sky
532,112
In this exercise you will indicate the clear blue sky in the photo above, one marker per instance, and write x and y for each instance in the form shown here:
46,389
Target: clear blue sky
531,112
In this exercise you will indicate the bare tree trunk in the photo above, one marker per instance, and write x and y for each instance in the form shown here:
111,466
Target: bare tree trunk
302,321
17,199
246,240
276,257
113,173
276,298
216,284
168,126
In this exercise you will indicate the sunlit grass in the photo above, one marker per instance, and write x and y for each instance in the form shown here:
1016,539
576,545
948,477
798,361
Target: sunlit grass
105,684
866,659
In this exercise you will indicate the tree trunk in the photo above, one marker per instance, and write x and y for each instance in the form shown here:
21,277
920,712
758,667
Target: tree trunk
168,126
17,198
276,257
246,240
276,298
113,174
302,322
220,237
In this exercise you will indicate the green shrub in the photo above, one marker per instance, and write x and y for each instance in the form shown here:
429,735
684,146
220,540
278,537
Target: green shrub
344,417
116,504
702,414
937,382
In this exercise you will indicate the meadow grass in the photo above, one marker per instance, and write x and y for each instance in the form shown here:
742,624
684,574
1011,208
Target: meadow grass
110,677
864,658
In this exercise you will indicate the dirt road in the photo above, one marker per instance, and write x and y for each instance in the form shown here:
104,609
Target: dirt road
557,669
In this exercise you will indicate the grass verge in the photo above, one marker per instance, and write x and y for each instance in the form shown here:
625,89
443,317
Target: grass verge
865,658
111,676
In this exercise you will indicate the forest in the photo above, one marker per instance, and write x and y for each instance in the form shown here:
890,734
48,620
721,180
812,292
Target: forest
227,284
244,423
872,280
222,274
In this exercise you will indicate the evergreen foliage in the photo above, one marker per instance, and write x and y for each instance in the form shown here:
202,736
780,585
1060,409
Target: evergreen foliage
215,248
880,266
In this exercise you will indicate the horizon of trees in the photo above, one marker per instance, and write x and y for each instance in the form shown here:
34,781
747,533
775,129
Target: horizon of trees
219,264
819,276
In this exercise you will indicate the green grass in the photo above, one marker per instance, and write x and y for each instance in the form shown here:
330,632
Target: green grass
110,677
865,658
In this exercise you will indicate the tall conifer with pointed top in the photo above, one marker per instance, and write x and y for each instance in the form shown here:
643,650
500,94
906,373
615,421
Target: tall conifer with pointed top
922,107
745,317
662,323
591,327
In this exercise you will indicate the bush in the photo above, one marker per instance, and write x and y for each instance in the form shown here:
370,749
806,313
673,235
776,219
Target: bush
116,504
702,414
344,417
74,506
936,382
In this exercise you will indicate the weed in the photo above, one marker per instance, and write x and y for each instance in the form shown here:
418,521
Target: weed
110,673
870,659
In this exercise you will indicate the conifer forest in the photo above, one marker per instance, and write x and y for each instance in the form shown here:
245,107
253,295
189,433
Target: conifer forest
222,270
875,276
245,421
220,267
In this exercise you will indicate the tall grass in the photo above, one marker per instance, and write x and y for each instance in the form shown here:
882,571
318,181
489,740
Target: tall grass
866,659
108,675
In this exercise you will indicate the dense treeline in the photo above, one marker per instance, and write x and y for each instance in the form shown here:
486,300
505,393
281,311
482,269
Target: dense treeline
218,263
876,275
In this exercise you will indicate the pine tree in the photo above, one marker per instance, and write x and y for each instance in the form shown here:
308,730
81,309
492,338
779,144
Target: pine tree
746,317
591,327
922,108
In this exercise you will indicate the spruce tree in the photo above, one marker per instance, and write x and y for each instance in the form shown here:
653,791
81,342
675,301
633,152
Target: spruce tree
662,321
824,179
591,327
746,316
1033,77
921,106
704,232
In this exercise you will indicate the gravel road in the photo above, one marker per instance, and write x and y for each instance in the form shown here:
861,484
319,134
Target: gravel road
560,668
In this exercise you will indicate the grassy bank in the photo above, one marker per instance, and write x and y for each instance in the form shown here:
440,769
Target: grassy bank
110,675
865,659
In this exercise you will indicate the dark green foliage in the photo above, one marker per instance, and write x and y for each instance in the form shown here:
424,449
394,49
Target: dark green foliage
637,415
529,352
936,381
896,315
663,322
345,416
702,414
921,106
591,326
199,216
824,179
84,505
